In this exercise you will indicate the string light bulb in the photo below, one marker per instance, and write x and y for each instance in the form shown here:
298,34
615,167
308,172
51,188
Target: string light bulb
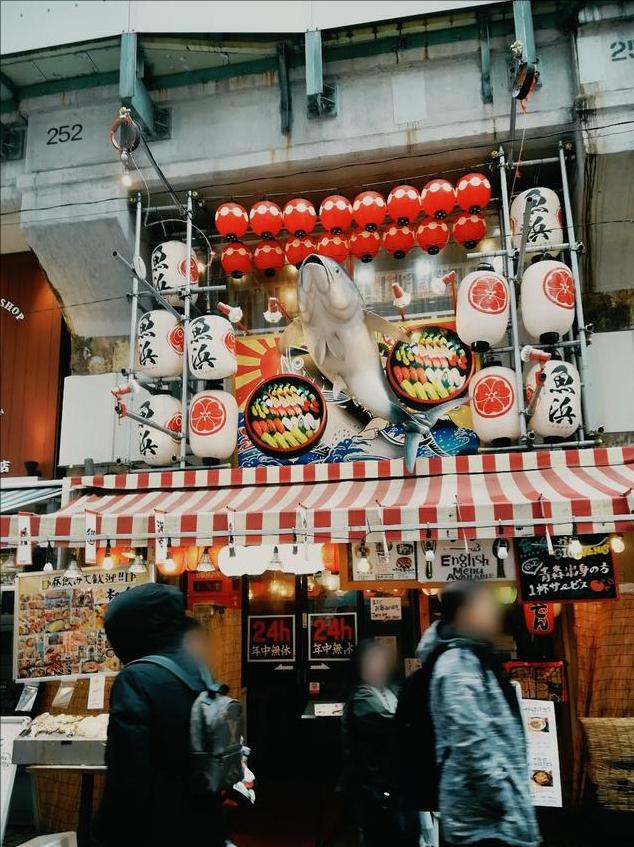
48,564
617,544
363,563
574,548
204,563
430,553
73,568
275,563
138,565
108,562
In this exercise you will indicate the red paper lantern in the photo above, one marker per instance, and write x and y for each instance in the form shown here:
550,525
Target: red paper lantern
232,221
268,257
432,236
334,246
266,219
236,259
473,192
398,240
365,245
300,217
403,204
296,250
369,210
438,198
336,213
539,618
469,229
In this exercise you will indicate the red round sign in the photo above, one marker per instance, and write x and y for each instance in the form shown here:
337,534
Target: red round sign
493,396
559,288
488,294
207,415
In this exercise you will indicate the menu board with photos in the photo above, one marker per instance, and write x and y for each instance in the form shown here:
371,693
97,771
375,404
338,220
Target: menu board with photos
398,565
59,630
543,752
560,578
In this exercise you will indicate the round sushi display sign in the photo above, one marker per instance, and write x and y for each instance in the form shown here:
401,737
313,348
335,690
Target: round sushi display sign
285,415
434,366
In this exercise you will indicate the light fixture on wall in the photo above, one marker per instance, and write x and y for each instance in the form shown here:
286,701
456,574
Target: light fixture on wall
138,565
617,544
108,562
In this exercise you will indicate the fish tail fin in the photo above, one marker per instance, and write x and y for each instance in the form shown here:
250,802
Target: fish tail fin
416,430
412,440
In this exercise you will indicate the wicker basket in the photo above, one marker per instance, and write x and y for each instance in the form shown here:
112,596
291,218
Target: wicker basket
611,766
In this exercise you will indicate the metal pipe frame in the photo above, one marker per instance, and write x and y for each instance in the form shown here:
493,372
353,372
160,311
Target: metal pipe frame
134,295
536,346
187,294
532,163
198,289
146,422
510,275
486,254
590,442
148,289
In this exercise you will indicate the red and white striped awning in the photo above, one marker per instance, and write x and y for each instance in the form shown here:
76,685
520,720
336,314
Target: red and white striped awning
472,496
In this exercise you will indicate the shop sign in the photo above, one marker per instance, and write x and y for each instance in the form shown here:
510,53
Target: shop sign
539,680
385,609
476,561
271,638
543,752
332,637
398,565
559,578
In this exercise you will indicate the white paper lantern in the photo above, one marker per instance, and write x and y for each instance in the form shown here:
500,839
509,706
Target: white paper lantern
557,412
156,447
482,308
548,300
211,347
160,344
213,424
545,219
242,560
169,269
494,407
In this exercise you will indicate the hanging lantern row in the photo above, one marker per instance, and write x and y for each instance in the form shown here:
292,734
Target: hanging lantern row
368,210
431,236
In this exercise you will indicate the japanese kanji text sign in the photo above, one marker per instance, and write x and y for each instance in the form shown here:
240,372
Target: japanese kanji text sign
332,637
271,638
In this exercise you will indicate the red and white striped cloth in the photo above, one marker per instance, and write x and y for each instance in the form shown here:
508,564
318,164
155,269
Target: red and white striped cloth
473,501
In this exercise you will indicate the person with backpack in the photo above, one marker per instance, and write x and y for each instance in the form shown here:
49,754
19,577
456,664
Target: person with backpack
150,794
368,737
474,766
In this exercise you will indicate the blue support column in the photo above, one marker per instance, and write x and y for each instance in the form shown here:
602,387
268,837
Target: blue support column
132,89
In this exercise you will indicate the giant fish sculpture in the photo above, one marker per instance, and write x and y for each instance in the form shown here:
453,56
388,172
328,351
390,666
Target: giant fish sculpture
339,334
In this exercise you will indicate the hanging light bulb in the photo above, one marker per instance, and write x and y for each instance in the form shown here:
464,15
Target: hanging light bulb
48,564
73,568
617,544
108,563
126,179
129,553
363,563
574,548
430,553
138,565
204,563
330,581
275,563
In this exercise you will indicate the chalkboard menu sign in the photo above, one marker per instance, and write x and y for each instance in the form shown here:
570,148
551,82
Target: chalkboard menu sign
332,637
271,638
560,578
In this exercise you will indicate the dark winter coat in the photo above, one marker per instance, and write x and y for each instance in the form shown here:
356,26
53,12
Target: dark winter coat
147,799
368,737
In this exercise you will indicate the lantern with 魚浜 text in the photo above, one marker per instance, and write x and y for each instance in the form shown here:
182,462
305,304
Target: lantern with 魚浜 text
231,221
548,300
266,219
556,410
398,240
157,448
299,217
403,204
473,193
545,221
160,344
368,209
169,270
432,236
336,213
495,412
211,347
365,245
268,257
468,230
482,308
297,249
213,424
236,259
438,198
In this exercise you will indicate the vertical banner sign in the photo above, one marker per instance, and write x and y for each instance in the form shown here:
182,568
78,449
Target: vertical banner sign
161,539
543,752
23,553
90,543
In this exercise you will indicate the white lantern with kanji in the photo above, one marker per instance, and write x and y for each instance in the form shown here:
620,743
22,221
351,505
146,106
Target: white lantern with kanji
213,424
556,413
160,344
548,300
545,220
158,448
482,308
495,412
211,347
169,270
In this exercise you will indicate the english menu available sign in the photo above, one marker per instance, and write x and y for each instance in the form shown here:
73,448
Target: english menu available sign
559,578
476,561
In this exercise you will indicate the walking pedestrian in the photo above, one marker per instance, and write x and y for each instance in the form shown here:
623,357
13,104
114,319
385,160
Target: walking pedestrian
368,746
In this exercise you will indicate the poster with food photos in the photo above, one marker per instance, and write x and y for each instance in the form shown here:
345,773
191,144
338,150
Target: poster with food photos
399,564
59,630
543,752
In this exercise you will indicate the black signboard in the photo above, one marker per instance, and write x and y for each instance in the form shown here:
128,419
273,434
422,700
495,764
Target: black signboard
271,638
561,578
332,637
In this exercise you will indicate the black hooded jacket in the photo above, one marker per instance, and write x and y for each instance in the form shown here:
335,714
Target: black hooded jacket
147,800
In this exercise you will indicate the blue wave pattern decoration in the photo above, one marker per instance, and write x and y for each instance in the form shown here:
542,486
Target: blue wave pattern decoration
453,440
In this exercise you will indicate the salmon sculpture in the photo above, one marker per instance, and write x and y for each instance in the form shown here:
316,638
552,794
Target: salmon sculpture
339,334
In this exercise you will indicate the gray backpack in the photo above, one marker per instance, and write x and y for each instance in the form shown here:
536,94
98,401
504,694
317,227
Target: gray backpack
215,731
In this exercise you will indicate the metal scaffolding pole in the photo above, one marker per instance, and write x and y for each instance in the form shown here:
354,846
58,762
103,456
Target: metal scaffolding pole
186,316
134,296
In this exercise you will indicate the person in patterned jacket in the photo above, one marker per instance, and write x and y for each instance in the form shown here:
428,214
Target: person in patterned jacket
484,795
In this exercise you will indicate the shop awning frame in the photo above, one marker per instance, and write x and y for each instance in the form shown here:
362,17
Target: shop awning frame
488,496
